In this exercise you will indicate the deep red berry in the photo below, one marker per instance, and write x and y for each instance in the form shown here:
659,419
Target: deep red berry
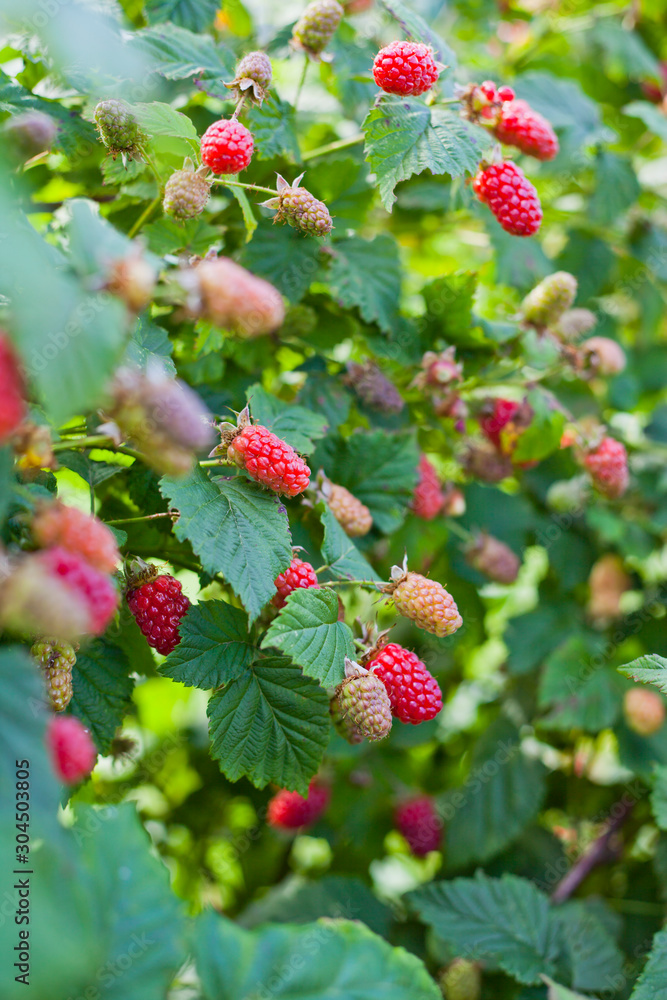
226,147
505,94
12,403
290,811
608,466
520,126
158,606
72,750
413,692
300,575
92,589
420,824
488,89
428,497
76,531
496,419
405,68
510,196
269,460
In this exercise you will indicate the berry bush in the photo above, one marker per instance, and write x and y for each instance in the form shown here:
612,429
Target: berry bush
333,503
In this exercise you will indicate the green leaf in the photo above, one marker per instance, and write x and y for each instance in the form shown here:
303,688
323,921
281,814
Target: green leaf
236,528
273,126
595,958
150,341
649,669
503,792
161,120
215,647
659,796
144,920
650,114
194,235
531,637
341,555
563,103
380,469
417,30
249,219
102,690
367,274
327,960
558,992
178,54
295,424
651,983
298,900
581,693
616,187
625,49
308,630
406,137
449,302
342,183
270,725
506,920
282,256
543,434
74,132
196,15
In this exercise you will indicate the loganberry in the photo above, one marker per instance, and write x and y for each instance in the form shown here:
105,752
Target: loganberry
510,196
405,68
226,147
299,575
71,748
291,811
158,604
420,824
413,692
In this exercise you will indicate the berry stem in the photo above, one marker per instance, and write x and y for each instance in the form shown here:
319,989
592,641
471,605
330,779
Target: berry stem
145,517
351,583
238,109
211,462
301,82
456,529
145,215
93,441
333,147
248,187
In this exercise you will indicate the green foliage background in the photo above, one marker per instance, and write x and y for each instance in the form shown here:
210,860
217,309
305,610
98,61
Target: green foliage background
531,753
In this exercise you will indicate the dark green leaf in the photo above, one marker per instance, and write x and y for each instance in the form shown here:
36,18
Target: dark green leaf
215,647
616,187
417,30
295,424
649,669
196,15
273,126
449,310
308,630
341,555
178,54
284,257
366,274
102,690
652,980
595,958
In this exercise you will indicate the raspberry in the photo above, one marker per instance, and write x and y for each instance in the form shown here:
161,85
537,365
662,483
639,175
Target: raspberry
494,417
420,824
343,723
574,323
233,298
253,77
493,558
158,606
428,497
299,208
300,575
161,415
608,467
486,464
510,196
118,129
353,516
405,68
518,125
425,602
505,94
269,460
607,583
413,692
461,980
56,659
186,194
72,751
86,585
488,90
373,387
31,133
12,402
291,811
226,147
547,302
644,710
83,534
317,26
362,701
605,356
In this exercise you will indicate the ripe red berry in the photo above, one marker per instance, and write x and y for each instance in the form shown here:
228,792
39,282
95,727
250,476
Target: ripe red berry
495,418
72,750
12,403
520,126
299,575
505,94
291,811
92,589
608,466
420,824
78,532
413,692
269,460
158,606
510,196
428,498
226,147
405,68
